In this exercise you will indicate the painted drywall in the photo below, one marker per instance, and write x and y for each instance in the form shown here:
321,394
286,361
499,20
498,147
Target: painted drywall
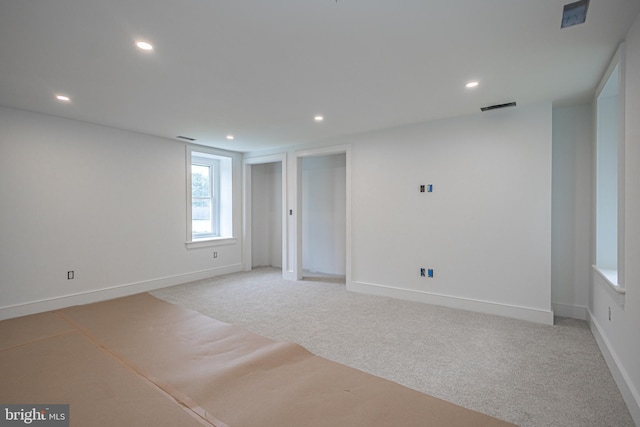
106,203
485,229
619,338
266,215
324,214
571,211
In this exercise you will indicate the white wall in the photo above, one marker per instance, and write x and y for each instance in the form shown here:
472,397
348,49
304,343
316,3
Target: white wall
266,215
324,214
106,203
619,338
571,211
485,229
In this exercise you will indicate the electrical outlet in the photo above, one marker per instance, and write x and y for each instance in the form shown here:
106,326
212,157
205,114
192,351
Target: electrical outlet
70,275
422,188
422,272
429,188
215,254
430,273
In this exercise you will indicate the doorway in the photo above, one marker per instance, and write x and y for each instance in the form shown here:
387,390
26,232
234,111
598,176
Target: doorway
266,215
264,222
323,243
324,215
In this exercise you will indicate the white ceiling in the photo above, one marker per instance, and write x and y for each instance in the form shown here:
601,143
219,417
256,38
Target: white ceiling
262,69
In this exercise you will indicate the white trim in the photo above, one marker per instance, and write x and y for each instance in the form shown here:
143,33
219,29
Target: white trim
608,283
187,167
117,291
618,61
224,172
487,307
620,375
323,151
207,243
622,90
570,311
272,158
615,60
611,277
247,207
289,275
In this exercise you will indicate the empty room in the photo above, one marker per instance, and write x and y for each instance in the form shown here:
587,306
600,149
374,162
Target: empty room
330,212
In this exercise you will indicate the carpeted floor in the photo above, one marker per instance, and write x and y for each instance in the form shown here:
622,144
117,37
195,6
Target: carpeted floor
525,373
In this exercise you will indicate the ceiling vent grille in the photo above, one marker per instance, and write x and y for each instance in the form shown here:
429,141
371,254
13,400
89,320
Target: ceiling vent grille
186,138
498,106
574,13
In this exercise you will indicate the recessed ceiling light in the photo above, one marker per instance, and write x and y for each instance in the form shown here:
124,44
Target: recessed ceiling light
318,118
63,98
230,137
472,84
144,45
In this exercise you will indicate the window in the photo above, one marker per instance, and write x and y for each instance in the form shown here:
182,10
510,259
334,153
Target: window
209,189
204,191
610,174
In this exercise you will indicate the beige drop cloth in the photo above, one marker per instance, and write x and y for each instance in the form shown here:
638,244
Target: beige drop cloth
213,370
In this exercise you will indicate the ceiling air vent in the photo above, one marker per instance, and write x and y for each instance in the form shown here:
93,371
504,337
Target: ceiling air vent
498,106
574,13
186,138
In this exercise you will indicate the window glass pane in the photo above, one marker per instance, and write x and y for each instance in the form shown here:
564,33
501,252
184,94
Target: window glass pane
201,216
200,181
209,199
607,175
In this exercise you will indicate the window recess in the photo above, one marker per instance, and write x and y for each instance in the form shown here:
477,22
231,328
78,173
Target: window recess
209,193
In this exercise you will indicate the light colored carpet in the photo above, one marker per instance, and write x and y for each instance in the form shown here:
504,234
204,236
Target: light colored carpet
525,373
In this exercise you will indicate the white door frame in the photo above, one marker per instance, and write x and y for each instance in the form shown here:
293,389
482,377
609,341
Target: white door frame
246,211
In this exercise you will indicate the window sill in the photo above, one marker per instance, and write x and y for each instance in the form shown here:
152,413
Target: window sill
611,277
610,283
207,243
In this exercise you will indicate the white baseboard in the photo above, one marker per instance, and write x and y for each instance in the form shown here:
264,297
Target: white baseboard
629,392
570,311
118,291
515,312
289,275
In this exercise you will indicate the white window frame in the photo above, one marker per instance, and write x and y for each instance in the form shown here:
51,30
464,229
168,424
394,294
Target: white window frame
611,269
214,187
222,176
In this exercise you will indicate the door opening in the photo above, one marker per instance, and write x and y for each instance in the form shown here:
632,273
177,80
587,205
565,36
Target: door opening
266,215
264,196
323,215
